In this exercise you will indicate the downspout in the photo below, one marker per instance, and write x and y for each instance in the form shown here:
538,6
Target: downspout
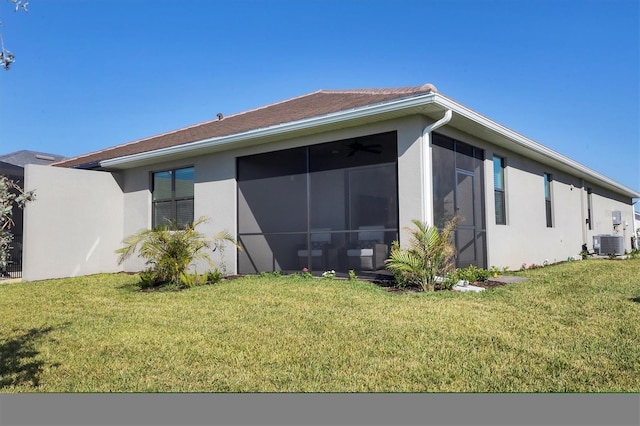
583,208
427,188
634,230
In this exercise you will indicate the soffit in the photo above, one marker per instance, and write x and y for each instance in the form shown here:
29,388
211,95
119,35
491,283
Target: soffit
483,128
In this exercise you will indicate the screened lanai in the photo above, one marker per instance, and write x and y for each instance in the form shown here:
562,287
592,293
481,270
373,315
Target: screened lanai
331,206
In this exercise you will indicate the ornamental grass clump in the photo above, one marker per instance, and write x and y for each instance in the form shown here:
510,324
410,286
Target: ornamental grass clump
169,250
430,255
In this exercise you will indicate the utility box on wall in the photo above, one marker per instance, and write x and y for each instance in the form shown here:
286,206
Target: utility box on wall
616,216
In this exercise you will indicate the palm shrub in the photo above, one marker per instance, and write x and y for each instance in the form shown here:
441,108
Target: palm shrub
169,250
430,254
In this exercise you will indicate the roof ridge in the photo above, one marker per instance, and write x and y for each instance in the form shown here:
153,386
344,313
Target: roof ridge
386,90
27,150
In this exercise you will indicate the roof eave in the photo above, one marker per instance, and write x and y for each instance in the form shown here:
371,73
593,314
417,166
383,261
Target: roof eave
519,143
506,137
306,124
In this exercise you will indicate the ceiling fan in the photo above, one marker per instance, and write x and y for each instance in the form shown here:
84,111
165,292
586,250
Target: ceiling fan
358,146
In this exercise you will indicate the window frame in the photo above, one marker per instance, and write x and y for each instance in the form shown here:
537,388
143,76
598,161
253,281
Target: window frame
173,199
500,191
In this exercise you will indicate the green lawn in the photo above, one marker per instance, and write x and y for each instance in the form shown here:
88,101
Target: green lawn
573,327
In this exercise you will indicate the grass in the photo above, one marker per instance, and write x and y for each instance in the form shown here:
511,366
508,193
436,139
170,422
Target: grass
570,328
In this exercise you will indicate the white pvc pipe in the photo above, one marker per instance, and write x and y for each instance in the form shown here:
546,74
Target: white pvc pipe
427,188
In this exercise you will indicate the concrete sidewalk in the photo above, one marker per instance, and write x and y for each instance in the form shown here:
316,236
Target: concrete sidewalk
507,279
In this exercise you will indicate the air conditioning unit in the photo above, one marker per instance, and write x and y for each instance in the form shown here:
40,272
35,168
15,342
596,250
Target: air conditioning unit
609,244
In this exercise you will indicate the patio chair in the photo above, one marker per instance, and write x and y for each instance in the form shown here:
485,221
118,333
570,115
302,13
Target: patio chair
370,251
321,250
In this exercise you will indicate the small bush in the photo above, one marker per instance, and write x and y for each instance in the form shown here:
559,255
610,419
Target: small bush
305,274
448,282
494,271
214,277
192,280
471,273
149,278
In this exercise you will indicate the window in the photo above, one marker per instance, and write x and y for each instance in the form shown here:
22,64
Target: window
498,189
173,197
547,199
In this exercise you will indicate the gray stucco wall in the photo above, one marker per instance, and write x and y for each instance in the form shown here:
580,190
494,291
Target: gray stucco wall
526,238
81,217
74,225
215,189
214,197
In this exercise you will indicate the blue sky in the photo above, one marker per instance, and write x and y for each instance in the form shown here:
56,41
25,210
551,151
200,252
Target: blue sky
90,74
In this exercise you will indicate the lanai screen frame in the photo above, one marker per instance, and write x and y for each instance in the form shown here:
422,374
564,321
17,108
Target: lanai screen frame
288,198
454,163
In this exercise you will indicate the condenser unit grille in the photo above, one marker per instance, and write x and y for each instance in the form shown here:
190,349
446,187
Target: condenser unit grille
611,244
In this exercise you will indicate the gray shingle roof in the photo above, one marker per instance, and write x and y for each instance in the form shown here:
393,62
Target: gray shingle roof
24,157
311,105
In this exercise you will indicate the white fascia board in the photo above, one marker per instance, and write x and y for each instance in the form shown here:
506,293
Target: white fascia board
570,165
408,103
279,129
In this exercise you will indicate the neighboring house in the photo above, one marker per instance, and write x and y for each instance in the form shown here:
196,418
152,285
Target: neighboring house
327,181
12,166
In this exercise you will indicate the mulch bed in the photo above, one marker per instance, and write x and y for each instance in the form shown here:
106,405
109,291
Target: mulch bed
488,284
388,286
402,290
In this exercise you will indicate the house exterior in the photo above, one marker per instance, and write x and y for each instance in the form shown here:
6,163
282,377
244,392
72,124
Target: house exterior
327,181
